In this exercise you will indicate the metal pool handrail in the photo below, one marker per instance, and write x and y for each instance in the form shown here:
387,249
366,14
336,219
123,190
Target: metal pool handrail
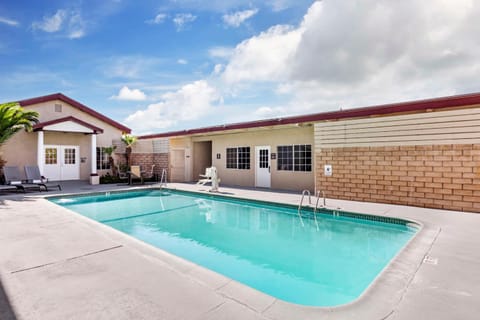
304,192
163,178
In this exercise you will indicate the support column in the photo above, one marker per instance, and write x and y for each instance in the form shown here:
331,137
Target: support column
40,151
94,179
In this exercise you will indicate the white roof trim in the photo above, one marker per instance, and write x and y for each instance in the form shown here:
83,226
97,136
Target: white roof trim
68,126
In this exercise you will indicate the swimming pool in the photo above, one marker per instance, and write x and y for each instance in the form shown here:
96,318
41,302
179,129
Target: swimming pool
324,262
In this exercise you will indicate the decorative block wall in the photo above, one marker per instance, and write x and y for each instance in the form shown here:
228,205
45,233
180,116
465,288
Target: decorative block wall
434,176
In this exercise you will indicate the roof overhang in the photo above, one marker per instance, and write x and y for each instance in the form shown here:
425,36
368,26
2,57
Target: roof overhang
67,124
76,104
417,106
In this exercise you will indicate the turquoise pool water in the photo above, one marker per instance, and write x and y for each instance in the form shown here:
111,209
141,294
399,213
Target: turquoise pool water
325,263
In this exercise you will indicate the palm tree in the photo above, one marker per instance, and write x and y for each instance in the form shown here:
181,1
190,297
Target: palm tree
129,141
14,118
109,151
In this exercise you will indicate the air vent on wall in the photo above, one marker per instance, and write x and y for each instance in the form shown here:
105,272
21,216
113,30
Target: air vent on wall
58,108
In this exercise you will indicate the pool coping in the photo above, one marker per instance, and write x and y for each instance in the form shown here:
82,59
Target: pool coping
376,302
307,211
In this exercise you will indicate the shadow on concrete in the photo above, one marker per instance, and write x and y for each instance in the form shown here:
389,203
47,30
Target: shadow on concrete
6,310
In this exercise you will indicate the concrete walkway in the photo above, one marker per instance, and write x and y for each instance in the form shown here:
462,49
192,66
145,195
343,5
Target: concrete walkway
55,264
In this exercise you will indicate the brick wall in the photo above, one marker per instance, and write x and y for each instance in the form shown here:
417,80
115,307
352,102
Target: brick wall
433,176
145,160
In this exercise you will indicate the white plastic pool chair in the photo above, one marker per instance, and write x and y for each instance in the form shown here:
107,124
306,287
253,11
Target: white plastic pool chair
206,178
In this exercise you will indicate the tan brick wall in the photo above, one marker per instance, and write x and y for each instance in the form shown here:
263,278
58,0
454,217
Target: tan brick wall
432,176
145,160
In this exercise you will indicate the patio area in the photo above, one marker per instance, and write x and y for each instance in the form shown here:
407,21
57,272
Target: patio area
55,264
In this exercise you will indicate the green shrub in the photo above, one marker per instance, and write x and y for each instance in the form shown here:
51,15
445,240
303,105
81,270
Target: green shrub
109,179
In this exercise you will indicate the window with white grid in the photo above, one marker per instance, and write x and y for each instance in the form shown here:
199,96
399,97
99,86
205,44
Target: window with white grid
238,158
294,157
69,156
50,155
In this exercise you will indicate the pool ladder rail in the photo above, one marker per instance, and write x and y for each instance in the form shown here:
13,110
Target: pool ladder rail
163,178
307,192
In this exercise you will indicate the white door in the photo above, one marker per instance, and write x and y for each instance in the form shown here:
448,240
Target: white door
177,165
62,163
262,167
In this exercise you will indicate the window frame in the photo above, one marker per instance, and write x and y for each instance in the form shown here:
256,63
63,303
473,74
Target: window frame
51,156
294,157
101,155
238,158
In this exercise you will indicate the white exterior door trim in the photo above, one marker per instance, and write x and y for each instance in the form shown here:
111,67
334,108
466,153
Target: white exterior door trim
263,177
67,166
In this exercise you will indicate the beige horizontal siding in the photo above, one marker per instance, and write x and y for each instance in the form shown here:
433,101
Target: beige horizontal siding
441,127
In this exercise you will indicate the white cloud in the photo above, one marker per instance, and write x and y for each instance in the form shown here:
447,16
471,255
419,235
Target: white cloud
269,112
229,5
9,22
343,54
353,53
126,93
190,102
280,5
159,18
76,26
237,18
182,61
52,23
128,67
221,52
70,23
263,57
217,69
182,19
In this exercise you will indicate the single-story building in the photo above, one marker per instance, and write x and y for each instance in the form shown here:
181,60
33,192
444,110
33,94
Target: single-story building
421,153
68,141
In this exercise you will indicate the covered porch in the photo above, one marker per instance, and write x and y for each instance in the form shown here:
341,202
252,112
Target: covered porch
67,149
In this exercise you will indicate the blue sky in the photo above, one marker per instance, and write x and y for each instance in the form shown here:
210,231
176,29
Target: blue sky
158,66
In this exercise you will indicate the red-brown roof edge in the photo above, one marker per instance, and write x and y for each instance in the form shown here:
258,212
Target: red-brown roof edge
76,104
409,106
41,125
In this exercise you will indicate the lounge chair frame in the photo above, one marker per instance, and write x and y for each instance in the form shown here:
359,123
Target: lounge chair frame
13,178
34,177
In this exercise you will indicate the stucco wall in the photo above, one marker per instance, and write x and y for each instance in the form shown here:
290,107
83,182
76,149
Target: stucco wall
21,149
47,112
273,137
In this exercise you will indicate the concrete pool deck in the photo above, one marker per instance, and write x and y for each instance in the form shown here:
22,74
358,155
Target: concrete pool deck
55,264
